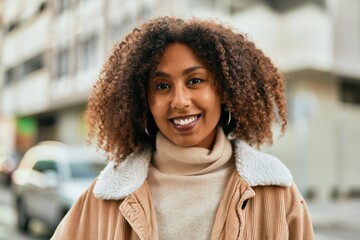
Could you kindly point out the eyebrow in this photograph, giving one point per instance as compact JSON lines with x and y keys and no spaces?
{"x":185,"y":72}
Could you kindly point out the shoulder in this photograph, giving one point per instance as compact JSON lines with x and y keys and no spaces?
{"x":289,"y":198}
{"x":88,"y":204}
{"x":290,"y":193}
{"x":259,"y":168}
{"x":86,"y":211}
{"x":86,"y":198}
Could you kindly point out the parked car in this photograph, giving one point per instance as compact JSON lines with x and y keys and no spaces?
{"x":8,"y":163}
{"x":50,"y":177}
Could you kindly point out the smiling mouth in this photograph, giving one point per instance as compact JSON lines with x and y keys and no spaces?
{"x":185,"y":121}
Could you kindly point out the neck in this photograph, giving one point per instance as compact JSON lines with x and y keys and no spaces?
{"x":172,"y":159}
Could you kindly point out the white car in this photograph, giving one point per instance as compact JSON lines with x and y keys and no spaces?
{"x":50,"y":177}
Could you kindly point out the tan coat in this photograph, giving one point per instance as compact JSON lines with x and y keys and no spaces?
{"x":119,"y":205}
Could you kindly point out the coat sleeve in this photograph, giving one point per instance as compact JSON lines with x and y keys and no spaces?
{"x":298,"y":217}
{"x":72,"y":226}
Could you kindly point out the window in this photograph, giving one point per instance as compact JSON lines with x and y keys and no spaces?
{"x":46,"y":127}
{"x":281,"y":5}
{"x":203,"y":4}
{"x":119,"y":30}
{"x":144,"y":14}
{"x":42,"y":7}
{"x":277,"y":5}
{"x":14,"y":73}
{"x":350,"y":91}
{"x":88,"y":53}
{"x":86,"y":170}
{"x":10,"y":75}
{"x":13,"y":26}
{"x":62,"y":63}
{"x":62,"y":5}
{"x":27,"y":67}
{"x":33,"y":64}
{"x":45,"y":165}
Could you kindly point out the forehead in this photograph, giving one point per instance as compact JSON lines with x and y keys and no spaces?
{"x":178,"y":55}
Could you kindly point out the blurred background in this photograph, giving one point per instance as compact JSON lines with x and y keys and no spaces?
{"x":51,"y":52}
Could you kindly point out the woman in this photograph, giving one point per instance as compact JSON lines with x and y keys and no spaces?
{"x":177,"y":107}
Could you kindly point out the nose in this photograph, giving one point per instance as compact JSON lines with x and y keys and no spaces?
{"x":181,"y":97}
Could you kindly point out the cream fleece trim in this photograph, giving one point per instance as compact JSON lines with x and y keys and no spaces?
{"x":260,"y":169}
{"x":127,"y":177}
{"x":256,"y":168}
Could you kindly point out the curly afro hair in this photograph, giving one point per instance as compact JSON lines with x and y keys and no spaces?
{"x":248,"y":83}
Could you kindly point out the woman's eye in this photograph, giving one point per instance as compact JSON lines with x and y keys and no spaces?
{"x":195,"y":81}
{"x":162,"y":86}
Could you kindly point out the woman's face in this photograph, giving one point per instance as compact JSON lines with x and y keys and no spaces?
{"x":183,"y":98}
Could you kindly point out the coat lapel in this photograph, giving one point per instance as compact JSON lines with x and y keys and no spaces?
{"x":138,"y":210}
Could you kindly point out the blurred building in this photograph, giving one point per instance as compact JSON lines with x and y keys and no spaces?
{"x":52,"y":52}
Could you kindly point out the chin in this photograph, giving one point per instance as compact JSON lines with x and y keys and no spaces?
{"x":185,"y":143}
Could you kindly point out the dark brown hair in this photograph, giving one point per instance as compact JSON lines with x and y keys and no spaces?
{"x":248,"y":83}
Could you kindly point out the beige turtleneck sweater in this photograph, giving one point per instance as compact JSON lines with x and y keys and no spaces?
{"x":186,"y":186}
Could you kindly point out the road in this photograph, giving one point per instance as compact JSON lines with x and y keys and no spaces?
{"x":332,"y":220}
{"x":336,"y":220}
{"x":8,"y":230}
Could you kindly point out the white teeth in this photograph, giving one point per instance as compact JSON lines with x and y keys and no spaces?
{"x":185,"y":121}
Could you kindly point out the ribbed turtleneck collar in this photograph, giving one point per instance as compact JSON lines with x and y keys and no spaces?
{"x":172,"y":159}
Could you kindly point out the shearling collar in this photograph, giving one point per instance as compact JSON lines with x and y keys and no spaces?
{"x":256,"y":168}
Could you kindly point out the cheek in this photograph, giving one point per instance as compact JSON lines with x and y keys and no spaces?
{"x":214,"y":102}
{"x":155,"y":106}
{"x":216,"y":108}
{"x":210,"y":94}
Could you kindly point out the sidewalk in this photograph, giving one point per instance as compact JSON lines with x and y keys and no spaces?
{"x":335,"y":220}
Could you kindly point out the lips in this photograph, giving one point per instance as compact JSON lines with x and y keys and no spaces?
{"x":185,"y":123}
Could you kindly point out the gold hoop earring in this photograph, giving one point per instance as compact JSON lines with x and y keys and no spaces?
{"x":147,"y":132}
{"x":149,"y":122}
{"x":229,"y":119}
{"x":226,"y":109}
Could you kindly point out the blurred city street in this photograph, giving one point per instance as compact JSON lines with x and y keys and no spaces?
{"x":337,"y":220}
{"x":8,"y":220}
{"x":45,"y":87}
